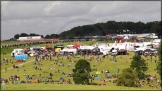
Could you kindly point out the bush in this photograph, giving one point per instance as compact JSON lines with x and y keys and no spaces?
{"x":127,"y":78}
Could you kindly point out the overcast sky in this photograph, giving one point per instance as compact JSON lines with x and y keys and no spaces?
{"x":48,"y":17}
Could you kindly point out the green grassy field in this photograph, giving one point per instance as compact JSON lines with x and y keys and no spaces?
{"x":71,"y":87}
{"x":104,"y":64}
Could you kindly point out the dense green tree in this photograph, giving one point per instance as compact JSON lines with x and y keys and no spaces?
{"x":33,"y":34}
{"x":127,"y":78}
{"x":16,"y":36}
{"x":11,"y":39}
{"x":81,"y":72}
{"x":158,"y":29}
{"x":23,"y":35}
{"x":47,"y":36}
{"x":111,"y":27}
{"x":53,"y":36}
{"x":139,"y":65}
{"x":42,"y":36}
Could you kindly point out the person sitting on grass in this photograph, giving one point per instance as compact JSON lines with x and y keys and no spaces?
{"x":51,"y":74}
{"x":69,"y":75}
{"x":13,"y":66}
{"x":61,"y":78}
{"x":36,"y":67}
{"x":51,"y":68}
{"x":5,"y":69}
{"x":69,"y":81}
{"x":69,"y":65}
{"x":63,"y":73}
{"x":61,"y":64}
{"x":52,"y":63}
{"x":58,"y":71}
{"x":22,"y":82}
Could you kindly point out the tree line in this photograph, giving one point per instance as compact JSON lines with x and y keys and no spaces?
{"x":102,"y":29}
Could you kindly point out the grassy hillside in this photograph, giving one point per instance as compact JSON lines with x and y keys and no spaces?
{"x":104,"y":64}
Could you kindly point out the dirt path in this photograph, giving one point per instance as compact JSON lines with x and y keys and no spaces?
{"x":18,"y":65}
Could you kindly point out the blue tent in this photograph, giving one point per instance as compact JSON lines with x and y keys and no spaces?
{"x":21,"y":57}
{"x":97,"y":78}
{"x":36,"y":47}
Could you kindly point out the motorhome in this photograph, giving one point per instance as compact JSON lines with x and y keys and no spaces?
{"x":17,"y":52}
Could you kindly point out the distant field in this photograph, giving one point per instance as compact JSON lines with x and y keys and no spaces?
{"x":109,"y":41}
{"x":104,"y":64}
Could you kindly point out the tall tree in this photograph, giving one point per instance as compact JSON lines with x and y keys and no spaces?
{"x":33,"y":34}
{"x":23,"y":35}
{"x":158,"y":29}
{"x":127,"y":78}
{"x":81,"y":72}
{"x":139,"y":65}
{"x":47,"y":36}
{"x":42,"y":36}
{"x":16,"y":36}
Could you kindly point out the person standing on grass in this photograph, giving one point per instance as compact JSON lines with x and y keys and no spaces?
{"x":151,"y":57}
{"x":5,"y":69}
{"x":3,"y":85}
{"x":118,"y":70}
{"x":126,"y":61}
{"x":121,"y":56}
{"x":17,"y":68}
{"x":24,"y":60}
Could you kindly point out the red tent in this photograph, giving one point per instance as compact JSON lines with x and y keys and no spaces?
{"x":19,"y":60}
{"x":76,"y":45}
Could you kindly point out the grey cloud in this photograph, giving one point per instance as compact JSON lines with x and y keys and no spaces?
{"x":47,"y":17}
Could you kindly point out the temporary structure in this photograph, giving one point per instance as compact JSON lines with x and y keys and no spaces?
{"x":36,"y":47}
